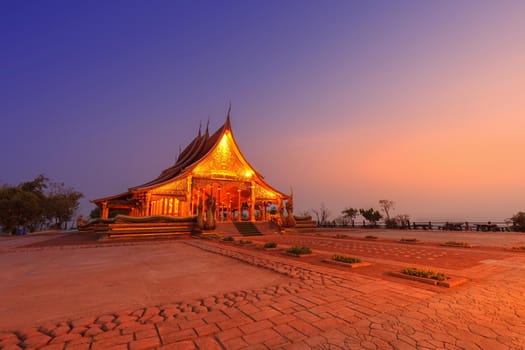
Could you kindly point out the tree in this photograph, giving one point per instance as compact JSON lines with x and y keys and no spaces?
{"x":29,"y":206}
{"x":322,"y":215}
{"x":95,"y":213}
{"x":518,"y":221}
{"x":371,"y":215}
{"x":386,"y":206}
{"x":8,"y":217}
{"x":62,"y":203}
{"x":350,"y":213}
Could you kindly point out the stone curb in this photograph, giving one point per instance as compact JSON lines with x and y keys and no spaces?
{"x":450,"y":283}
{"x":350,"y":265}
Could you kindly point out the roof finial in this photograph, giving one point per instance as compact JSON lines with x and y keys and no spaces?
{"x":207,"y":126}
{"x":200,"y":127}
{"x":229,"y":110}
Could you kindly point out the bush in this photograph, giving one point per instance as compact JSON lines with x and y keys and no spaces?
{"x":413,"y":271}
{"x":458,"y":244}
{"x":371,"y":237}
{"x":346,"y":259}
{"x":270,"y":245}
{"x":521,"y":247}
{"x":245,"y":242}
{"x":299,"y":250}
{"x":228,"y":239}
{"x":409,"y":240}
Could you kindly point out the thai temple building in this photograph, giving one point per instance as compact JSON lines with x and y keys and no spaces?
{"x":211,"y":176}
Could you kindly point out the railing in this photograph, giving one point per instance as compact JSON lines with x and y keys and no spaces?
{"x":486,"y":226}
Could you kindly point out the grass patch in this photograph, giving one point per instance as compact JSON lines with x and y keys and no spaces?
{"x":299,"y":250}
{"x":346,"y":259}
{"x":521,"y":247}
{"x":270,"y":245}
{"x":409,"y":240}
{"x":228,"y":239}
{"x":413,"y":271}
{"x":457,"y":244}
{"x":371,"y":237}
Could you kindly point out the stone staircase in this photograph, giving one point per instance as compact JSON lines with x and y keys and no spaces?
{"x":247,"y":228}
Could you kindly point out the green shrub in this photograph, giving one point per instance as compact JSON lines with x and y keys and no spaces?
{"x":228,"y":239}
{"x":270,"y":245}
{"x":299,"y":250}
{"x":346,"y":259}
{"x":413,"y":271}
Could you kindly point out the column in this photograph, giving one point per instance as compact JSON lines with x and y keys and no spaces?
{"x":105,"y":210}
{"x":252,"y":202}
{"x":239,"y":211}
{"x":147,"y":209}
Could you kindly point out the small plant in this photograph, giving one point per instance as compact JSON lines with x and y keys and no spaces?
{"x":299,"y":250}
{"x":346,"y":259}
{"x":228,"y":239}
{"x":270,"y":245}
{"x":245,"y":242}
{"x":371,"y":237}
{"x":413,"y":271}
{"x":458,"y":244}
{"x":521,"y":247}
{"x":409,"y":240}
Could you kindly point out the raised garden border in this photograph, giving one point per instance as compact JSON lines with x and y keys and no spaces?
{"x":409,"y":241}
{"x":450,"y":282}
{"x":458,"y":245}
{"x":350,"y":265}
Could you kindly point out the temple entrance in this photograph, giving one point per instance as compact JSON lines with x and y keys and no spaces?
{"x":234,"y":201}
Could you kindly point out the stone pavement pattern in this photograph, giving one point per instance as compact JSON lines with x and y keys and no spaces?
{"x":316,"y":308}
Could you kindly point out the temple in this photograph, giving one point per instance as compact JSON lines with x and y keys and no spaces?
{"x":211,"y":177}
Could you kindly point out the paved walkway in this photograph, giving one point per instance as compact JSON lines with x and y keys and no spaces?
{"x":292,"y":303}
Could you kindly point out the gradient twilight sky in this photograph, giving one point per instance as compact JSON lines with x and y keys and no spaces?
{"x":349,"y":102}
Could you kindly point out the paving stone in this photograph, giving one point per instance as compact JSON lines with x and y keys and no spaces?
{"x":183,"y":345}
{"x":145,"y":343}
{"x":36,"y":341}
{"x":177,"y":336}
{"x":207,"y":343}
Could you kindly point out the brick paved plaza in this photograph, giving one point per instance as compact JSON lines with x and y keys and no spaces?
{"x":64,"y":291}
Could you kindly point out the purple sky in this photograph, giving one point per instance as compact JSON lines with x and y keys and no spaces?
{"x":349,"y":102}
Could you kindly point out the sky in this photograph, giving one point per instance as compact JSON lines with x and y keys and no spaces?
{"x":346,"y":102}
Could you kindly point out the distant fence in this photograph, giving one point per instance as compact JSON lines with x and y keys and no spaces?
{"x":487,"y":226}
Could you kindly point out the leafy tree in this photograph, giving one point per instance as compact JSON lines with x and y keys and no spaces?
{"x":95,"y":213}
{"x":386,"y":206}
{"x":8,"y":217}
{"x":518,"y":221}
{"x":30,"y":206}
{"x":350,"y":213}
{"x":62,"y":203}
{"x":371,"y":215}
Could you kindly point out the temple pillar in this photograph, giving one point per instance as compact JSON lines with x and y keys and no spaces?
{"x":218,"y":213}
{"x":252,"y":202}
{"x":104,"y":211}
{"x":147,"y":209}
{"x":239,"y":210}
{"x":189,"y":194}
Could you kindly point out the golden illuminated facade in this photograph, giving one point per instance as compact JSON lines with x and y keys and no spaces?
{"x":210,"y":175}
